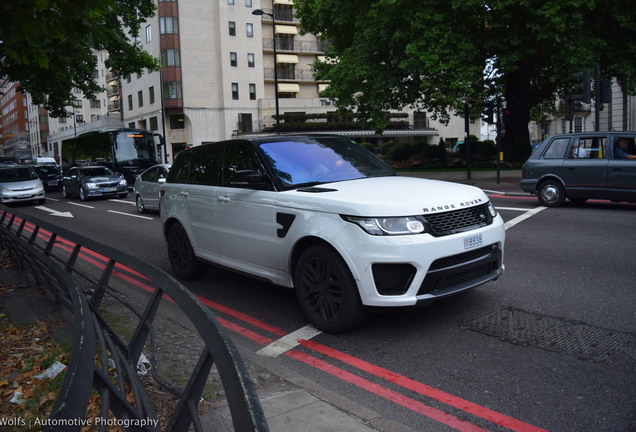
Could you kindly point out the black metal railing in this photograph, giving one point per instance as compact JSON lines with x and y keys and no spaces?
{"x":82,"y":274}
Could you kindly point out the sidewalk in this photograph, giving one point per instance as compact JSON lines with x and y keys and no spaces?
{"x":291,"y":403}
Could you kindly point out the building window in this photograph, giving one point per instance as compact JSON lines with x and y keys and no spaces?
{"x":578,"y":124}
{"x":230,"y":2}
{"x":95,"y":104}
{"x":172,"y":90}
{"x":233,"y":61}
{"x":148,"y":34}
{"x":140,"y":98}
{"x":131,"y":125}
{"x":130,"y":104}
{"x":250,"y":30}
{"x":248,"y":3}
{"x":154,"y":125}
{"x":151,"y":95}
{"x":168,"y":25}
{"x":177,"y":122}
{"x":250,"y":59}
{"x":235,"y":92}
{"x":232,"y":25}
{"x":252,"y":91}
{"x":170,"y":57}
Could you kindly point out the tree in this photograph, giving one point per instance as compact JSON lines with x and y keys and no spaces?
{"x":439,"y":55}
{"x":45,"y":45}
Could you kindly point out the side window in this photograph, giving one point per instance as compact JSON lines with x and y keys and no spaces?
{"x":624,"y":148}
{"x":238,"y":157}
{"x":180,"y":169}
{"x":204,"y":167}
{"x":150,"y":176}
{"x":72,"y":172}
{"x":556,"y":149}
{"x":588,"y":148}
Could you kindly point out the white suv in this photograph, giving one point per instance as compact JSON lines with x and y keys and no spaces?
{"x":325,"y":216}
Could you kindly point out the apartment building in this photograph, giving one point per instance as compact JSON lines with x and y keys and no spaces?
{"x":221,"y":63}
{"x":617,"y":114}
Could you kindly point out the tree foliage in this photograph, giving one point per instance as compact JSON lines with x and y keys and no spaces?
{"x":46,"y":45}
{"x":438,"y":55}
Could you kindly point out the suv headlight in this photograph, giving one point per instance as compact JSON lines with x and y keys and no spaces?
{"x":492,"y":210}
{"x":381,"y":226}
{"x":123,"y":182}
{"x":91,"y":185}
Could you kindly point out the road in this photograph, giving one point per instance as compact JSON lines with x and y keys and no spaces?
{"x":549,"y":346}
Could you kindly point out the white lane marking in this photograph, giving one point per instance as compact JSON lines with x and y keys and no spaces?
{"x":288,"y":341}
{"x":81,"y":205}
{"x":512,"y":208}
{"x":122,"y":201}
{"x":132,"y":215}
{"x":523,"y":217}
{"x":55,"y":212}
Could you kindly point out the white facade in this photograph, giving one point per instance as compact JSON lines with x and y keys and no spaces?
{"x":618,"y":115}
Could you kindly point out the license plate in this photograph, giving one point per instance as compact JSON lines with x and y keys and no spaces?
{"x":109,"y":189}
{"x":473,"y":241}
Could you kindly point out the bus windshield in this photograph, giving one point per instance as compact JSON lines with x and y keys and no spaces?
{"x":135,"y":149}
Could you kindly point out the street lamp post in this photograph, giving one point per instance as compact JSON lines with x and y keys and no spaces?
{"x":262,"y":12}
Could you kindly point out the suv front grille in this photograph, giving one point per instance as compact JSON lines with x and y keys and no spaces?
{"x":456,"y":221}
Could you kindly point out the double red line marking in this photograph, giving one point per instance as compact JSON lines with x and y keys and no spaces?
{"x":136,"y":279}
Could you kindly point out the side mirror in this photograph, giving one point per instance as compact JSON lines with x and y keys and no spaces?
{"x":247,"y":177}
{"x":161,"y":180}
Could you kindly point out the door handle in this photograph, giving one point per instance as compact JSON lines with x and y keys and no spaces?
{"x":224,"y":198}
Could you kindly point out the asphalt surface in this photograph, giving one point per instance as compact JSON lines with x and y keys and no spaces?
{"x":289,"y":404}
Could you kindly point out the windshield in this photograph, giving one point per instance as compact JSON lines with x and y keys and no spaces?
{"x":96,"y":171}
{"x":17,"y":174}
{"x":135,"y":148}
{"x":315,"y":160}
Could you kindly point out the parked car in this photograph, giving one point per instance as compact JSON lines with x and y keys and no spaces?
{"x":148,"y":185}
{"x":582,"y":166}
{"x":50,"y":175}
{"x":93,"y":181}
{"x":325,"y":216}
{"x":20,"y":183}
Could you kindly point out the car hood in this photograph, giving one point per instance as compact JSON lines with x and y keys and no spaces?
{"x":384,"y":196}
{"x":100,"y":179}
{"x":21,"y":185}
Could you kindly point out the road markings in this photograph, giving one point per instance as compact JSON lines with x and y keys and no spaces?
{"x":132,"y":215}
{"x":288,"y":341}
{"x":80,"y":205}
{"x":523,"y":217}
{"x":55,"y":212}
{"x":122,"y":201}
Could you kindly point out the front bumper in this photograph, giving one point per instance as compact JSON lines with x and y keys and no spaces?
{"x":410,"y":270}
{"x":22,"y":196}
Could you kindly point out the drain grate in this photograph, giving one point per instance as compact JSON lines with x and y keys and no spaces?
{"x":554,"y":334}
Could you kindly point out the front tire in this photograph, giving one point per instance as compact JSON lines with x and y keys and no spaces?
{"x":551,"y":193}
{"x":326,"y":290}
{"x":65,"y":193}
{"x":82,"y":194}
{"x":181,"y":255}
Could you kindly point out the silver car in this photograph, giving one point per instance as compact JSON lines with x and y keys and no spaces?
{"x":148,"y":187}
{"x":20,"y":183}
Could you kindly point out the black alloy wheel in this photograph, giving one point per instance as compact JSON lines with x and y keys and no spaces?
{"x":326,"y":290}
{"x":182,"y":258}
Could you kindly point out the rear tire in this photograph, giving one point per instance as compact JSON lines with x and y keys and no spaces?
{"x":551,"y":193}
{"x":140,"y":205}
{"x":326,"y":290}
{"x":181,"y":255}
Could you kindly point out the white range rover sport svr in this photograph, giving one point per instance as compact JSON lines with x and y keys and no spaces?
{"x":325,"y":216}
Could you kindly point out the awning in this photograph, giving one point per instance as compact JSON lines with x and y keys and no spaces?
{"x":288,"y":88}
{"x":286,"y":58}
{"x":286,"y":29}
